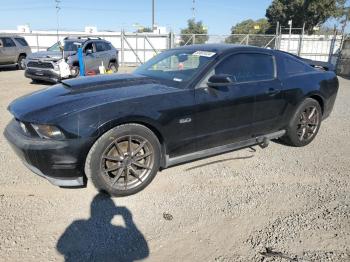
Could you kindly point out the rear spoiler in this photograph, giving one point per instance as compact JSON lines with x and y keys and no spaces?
{"x":319,"y":64}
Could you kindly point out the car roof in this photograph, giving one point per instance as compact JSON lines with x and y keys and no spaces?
{"x":222,"y":48}
{"x":83,"y":39}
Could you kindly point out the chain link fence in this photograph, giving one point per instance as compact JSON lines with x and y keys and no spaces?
{"x":136,"y":48}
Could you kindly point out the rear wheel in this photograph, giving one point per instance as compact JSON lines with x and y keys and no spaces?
{"x":21,"y":65}
{"x":305,"y":123}
{"x":113,"y":67}
{"x":124,"y":160}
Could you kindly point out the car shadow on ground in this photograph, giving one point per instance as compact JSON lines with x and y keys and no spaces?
{"x":97,"y":239}
{"x":218,"y":161}
{"x":8,"y":68}
{"x":42,"y":83}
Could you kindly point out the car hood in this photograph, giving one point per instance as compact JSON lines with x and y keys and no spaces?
{"x":75,"y":95}
{"x":49,"y":55}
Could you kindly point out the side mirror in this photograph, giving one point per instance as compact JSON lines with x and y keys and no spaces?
{"x":220,"y":80}
{"x":1,"y":45}
{"x":88,"y":51}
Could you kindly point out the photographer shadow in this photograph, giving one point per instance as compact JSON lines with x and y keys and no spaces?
{"x":97,"y":239}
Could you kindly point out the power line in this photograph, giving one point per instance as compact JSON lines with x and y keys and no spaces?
{"x":153,"y":14}
{"x":58,"y":8}
{"x":194,"y":10}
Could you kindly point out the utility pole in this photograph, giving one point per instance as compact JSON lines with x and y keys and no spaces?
{"x":194,"y":10}
{"x":58,"y":8}
{"x":153,"y":19}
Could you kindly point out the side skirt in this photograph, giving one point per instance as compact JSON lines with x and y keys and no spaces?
{"x":260,"y":140}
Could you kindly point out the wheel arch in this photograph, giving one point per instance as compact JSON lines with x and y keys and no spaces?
{"x":319,"y":99}
{"x":113,"y":60}
{"x":22,"y":54}
{"x":144,"y":121}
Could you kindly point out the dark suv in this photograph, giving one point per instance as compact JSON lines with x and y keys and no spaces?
{"x":45,"y":65}
{"x":13,"y":51}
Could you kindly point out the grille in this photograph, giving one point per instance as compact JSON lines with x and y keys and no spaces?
{"x":40,"y":64}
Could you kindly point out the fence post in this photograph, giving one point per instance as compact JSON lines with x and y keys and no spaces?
{"x":144,"y":49}
{"x":193,"y":39}
{"x":37,"y":42}
{"x":280,"y":38}
{"x":301,"y":40}
{"x":171,"y":40}
{"x":137,"y":47}
{"x":122,"y":47}
{"x":247,"y":40}
{"x":277,"y":31}
{"x":331,"y":50}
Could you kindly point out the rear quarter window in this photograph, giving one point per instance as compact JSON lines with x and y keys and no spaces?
{"x":22,"y":41}
{"x":295,"y":67}
{"x":107,"y":46}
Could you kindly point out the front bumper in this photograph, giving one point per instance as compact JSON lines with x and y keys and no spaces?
{"x":48,"y":75}
{"x":60,"y":162}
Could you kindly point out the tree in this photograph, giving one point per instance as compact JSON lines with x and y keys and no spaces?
{"x":250,"y":26}
{"x":194,"y":27}
{"x":311,"y":12}
{"x":144,"y":30}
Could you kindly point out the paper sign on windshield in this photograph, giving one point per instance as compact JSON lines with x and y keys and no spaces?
{"x":204,"y":53}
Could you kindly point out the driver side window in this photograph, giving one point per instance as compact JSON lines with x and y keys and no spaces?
{"x":245,"y":68}
{"x":248,"y":67}
{"x":89,"y":46}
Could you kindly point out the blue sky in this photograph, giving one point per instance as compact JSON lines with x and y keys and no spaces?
{"x":217,"y":15}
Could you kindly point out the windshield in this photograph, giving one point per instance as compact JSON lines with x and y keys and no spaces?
{"x":68,"y":46}
{"x":176,"y":65}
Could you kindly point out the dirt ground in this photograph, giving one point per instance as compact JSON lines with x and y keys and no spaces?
{"x":274,"y":204}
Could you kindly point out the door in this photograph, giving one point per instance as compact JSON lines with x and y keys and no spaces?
{"x":90,"y":61}
{"x":8,"y":53}
{"x":249,"y":106}
{"x":224,"y":114}
{"x":101,"y":54}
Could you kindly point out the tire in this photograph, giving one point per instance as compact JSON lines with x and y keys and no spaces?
{"x":304,"y":124}
{"x":113,"y":67}
{"x":111,"y":164}
{"x":76,"y":71}
{"x":20,"y":62}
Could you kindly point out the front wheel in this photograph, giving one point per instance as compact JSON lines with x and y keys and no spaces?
{"x":75,"y":71}
{"x":124,"y":160}
{"x":305,"y":123}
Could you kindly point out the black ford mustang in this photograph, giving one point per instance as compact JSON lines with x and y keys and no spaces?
{"x":184,"y":104}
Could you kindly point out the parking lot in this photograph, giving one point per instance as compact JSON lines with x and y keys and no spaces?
{"x":275,"y":204}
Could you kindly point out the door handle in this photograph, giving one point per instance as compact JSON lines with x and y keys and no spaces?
{"x":272,"y":91}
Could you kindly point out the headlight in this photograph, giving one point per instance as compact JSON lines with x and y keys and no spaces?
{"x":55,"y":65}
{"x":23,"y":127}
{"x":48,"y":132}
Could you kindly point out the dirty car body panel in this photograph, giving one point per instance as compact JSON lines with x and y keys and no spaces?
{"x":186,"y":116}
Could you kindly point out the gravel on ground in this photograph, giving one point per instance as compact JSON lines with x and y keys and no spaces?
{"x":275,"y":204}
